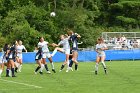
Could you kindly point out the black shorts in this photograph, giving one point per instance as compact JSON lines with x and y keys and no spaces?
{"x":74,"y":49}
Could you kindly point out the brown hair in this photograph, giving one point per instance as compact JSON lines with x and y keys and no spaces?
{"x":100,"y":39}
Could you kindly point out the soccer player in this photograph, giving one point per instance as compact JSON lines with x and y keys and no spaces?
{"x":1,"y":65}
{"x":19,"y":48}
{"x":100,"y":48}
{"x":66,"y":49}
{"x":74,"y":39}
{"x":3,"y":60}
{"x":10,"y":56}
{"x":46,"y":54}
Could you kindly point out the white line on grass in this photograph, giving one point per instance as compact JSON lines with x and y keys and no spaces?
{"x":29,"y":85}
{"x":17,"y":89}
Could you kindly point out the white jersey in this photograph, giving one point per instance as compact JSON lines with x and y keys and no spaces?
{"x":99,"y":47}
{"x":19,"y":48}
{"x":65,"y":43}
{"x":44,"y":46}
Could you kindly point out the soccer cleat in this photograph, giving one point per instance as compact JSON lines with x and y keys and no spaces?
{"x":19,"y":70}
{"x":41,"y":73}
{"x":16,"y":69}
{"x":96,"y":73}
{"x":7,"y":76}
{"x":13,"y":76}
{"x":54,"y":70}
{"x":67,"y":70}
{"x":105,"y":71}
{"x":48,"y":72}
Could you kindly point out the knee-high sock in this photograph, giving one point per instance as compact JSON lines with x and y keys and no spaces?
{"x":68,"y":62}
{"x":71,"y":63}
{"x":13,"y":71}
{"x":103,"y":63}
{"x":46,"y":67}
{"x":52,"y":65}
{"x":20,"y":66}
{"x":7,"y":72}
{"x":96,"y":66}
{"x":54,"y":52}
{"x":37,"y":68}
{"x":62,"y":66}
{"x":42,"y":67}
{"x":76,"y":66}
{"x":0,"y":72}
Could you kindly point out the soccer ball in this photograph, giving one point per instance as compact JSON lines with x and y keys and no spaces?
{"x":52,"y":14}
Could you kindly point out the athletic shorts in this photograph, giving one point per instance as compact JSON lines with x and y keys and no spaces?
{"x":66,"y":51}
{"x":38,"y":57}
{"x":101,"y":54}
{"x":46,"y":55}
{"x":74,"y":49}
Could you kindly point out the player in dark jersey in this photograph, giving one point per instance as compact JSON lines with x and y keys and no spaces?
{"x":10,"y":57}
{"x":74,"y":39}
{"x":3,"y":60}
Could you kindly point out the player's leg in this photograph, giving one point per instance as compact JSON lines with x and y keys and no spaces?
{"x":55,"y":51}
{"x":97,"y":64}
{"x":12,"y":67}
{"x":1,"y":69}
{"x":8,"y":68}
{"x":74,"y":59}
{"x":51,"y":62}
{"x":38,"y":67}
{"x":16,"y":64}
{"x":20,"y":63}
{"x":103,"y":63}
{"x":44,"y":62}
{"x":66,"y":61}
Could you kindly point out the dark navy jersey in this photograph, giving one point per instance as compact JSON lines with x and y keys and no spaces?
{"x":39,"y":54}
{"x":12,"y":53}
{"x":74,"y":41}
{"x":5,"y":50}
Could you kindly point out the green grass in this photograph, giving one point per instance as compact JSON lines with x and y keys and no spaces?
{"x":123,"y":77}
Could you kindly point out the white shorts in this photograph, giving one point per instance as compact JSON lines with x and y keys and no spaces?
{"x":19,"y":55}
{"x":66,"y":51}
{"x":4,"y":60}
{"x":101,"y":54}
{"x":46,"y":55}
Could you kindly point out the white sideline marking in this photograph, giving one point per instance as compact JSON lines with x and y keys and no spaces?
{"x":21,"y":83}
{"x":17,"y":89}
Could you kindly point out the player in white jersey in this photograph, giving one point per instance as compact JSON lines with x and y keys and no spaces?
{"x":46,"y":54}
{"x":66,"y":49}
{"x":19,"y":49}
{"x":100,"y":49}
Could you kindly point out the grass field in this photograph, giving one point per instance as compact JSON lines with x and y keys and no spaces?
{"x":122,"y":77}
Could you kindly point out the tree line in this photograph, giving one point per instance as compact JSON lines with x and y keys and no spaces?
{"x":27,"y":20}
